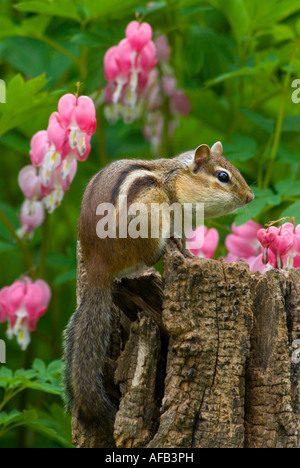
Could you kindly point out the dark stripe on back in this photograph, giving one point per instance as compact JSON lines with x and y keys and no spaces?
{"x":142,"y":183}
{"x":95,"y":182}
{"x":122,"y":177}
{"x":171,"y":174}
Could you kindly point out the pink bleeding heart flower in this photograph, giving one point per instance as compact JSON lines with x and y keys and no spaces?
{"x":117,"y":62}
{"x":126,"y":57}
{"x":31,"y":217}
{"x":44,"y":153}
{"x":62,"y":179}
{"x":267,"y":236}
{"x":243,"y":242}
{"x":58,"y":135}
{"x":247,"y":230}
{"x":108,"y":92}
{"x":230,"y":258}
{"x":30,"y":183}
{"x":296,"y":262}
{"x":25,"y":302}
{"x":40,"y":145}
{"x":203,"y":242}
{"x":85,"y":148}
{"x":36,"y":302}
{"x":78,"y":113}
{"x":112,"y":67}
{"x":3,"y":305}
{"x":169,"y":84}
{"x":297,"y":238}
{"x":66,"y":181}
{"x":163,"y":50}
{"x":256,"y":264}
{"x":240,"y":247}
{"x":138,"y":34}
{"x":179,"y":103}
{"x":79,"y":116}
{"x":281,"y":245}
{"x":146,"y":59}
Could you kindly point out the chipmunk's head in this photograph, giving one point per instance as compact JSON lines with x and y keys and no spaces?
{"x":214,"y":181}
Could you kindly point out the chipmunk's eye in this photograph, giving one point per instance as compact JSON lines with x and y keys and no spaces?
{"x":223,"y":177}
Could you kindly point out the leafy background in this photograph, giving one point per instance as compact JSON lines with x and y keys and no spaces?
{"x":236,"y":60}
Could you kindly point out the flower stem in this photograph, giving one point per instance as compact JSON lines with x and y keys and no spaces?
{"x":25,"y":251}
{"x":103,"y":157}
{"x":279,"y":124}
{"x":44,"y":246}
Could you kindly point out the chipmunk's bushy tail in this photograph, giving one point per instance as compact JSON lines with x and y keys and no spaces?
{"x":86,"y":341}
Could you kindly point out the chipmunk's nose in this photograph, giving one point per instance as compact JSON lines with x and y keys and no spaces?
{"x":250,"y":197}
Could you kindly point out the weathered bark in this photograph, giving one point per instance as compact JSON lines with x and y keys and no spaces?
{"x":272,"y":390}
{"x":202,"y":358}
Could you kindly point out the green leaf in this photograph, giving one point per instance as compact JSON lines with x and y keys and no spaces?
{"x":242,"y":148}
{"x":237,"y":16}
{"x":27,"y":373}
{"x":263,"y":199}
{"x":192,"y":9}
{"x":293,"y":211}
{"x":261,"y":121}
{"x":5,"y":247}
{"x":208,"y":43}
{"x":246,"y":71}
{"x":39,"y":366}
{"x":55,"y":424}
{"x":54,"y":389}
{"x":8,"y":418}
{"x":266,"y":14}
{"x":6,"y":376}
{"x":288,"y":187}
{"x":60,"y":260}
{"x":298,"y":27}
{"x":218,"y":115}
{"x":23,"y":100}
{"x":96,"y":8}
{"x":61,"y":8}
{"x":8,"y":28}
{"x":36,"y":25}
{"x":6,"y":372}
{"x":151,"y":8}
{"x":273,"y":35}
{"x":285,"y":156}
{"x":291,"y":124}
{"x":66,"y":277}
{"x":55,"y":367}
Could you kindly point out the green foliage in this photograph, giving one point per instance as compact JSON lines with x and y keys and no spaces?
{"x":235,"y":59}
{"x":51,"y":422}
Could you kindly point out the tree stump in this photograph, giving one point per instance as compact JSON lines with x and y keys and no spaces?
{"x":204,"y":357}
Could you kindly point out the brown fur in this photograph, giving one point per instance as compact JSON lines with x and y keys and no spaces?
{"x":189,"y":178}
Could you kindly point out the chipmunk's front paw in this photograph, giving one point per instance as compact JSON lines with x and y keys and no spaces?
{"x":180,"y":245}
{"x":187,"y":254}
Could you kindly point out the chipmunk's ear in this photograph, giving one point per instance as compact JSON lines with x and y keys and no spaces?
{"x":202,"y":154}
{"x":217,"y":148}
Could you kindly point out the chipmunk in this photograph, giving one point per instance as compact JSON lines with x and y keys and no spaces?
{"x":199,"y":176}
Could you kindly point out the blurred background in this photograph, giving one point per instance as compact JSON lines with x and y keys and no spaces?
{"x":236,"y":65}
